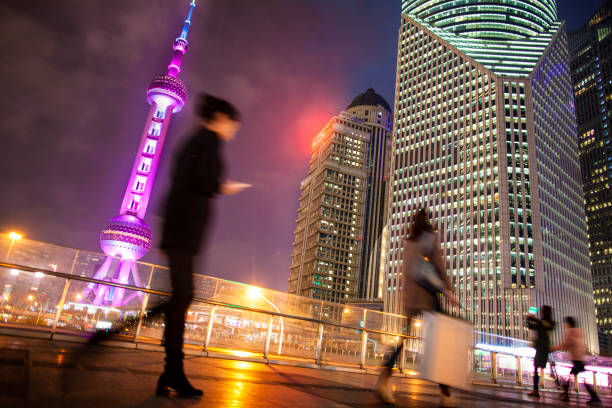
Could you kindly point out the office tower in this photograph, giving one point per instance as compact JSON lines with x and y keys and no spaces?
{"x":485,"y":137}
{"x":591,"y":66}
{"x":127,"y":237}
{"x":376,"y":113}
{"x":345,"y":183}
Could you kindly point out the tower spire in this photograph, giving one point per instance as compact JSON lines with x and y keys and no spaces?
{"x":187,"y":22}
{"x":180,"y":45}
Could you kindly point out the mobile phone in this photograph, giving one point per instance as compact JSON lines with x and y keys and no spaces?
{"x":533,"y":310}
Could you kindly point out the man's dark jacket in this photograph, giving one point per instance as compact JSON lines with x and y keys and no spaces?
{"x":543,"y":328}
{"x":196,"y":176}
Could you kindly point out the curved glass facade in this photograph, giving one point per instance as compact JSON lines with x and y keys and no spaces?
{"x":495,"y":20}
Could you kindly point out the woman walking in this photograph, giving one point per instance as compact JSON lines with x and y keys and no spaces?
{"x":423,"y":279}
{"x":573,"y":343}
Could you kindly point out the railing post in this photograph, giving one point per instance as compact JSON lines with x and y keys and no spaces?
{"x":319,"y":348}
{"x":364,"y":347}
{"x":143,"y":307}
{"x":364,"y":340}
{"x":211,"y":322}
{"x":60,"y":305}
{"x":494,"y":367}
{"x":402,"y":362}
{"x":610,"y":382}
{"x":519,"y":371}
{"x":595,"y":381}
{"x":268,"y":335}
{"x":143,"y":310}
{"x":576,"y":384}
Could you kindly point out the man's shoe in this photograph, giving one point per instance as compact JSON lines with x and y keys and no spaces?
{"x":594,"y":401}
{"x":178,"y":383}
{"x":534,"y":394}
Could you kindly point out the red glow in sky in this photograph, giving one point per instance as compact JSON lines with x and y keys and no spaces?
{"x":309,"y":123}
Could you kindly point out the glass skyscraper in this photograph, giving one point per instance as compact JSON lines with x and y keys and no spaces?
{"x":485,"y":137}
{"x":591,"y":64}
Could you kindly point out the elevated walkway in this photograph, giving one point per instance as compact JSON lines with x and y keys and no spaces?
{"x":121,"y":377}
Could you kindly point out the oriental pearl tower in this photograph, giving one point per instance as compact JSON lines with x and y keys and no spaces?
{"x":127,"y":238}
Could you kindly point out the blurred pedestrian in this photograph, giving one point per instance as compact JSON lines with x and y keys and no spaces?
{"x":196,"y":180}
{"x":573,"y":343}
{"x":424,"y":278}
{"x":543,"y":328}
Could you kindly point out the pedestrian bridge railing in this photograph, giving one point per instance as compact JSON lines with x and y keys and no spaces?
{"x":51,"y":288}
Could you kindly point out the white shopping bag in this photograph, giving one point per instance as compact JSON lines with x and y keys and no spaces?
{"x":447,"y":347}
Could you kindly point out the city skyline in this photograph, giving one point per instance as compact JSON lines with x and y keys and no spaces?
{"x":58,"y":168}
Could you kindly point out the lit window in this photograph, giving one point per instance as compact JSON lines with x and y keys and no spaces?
{"x":150,"y":147}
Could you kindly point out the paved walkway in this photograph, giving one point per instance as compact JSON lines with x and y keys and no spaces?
{"x":119,"y":377}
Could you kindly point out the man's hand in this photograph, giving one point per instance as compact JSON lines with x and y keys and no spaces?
{"x":232,"y":187}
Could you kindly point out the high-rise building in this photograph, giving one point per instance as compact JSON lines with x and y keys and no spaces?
{"x":485,"y":137}
{"x":342,"y":205}
{"x":127,"y":236}
{"x":591,"y":65}
{"x":377,"y":114}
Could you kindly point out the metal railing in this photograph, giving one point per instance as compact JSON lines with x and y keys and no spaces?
{"x":301,"y":328}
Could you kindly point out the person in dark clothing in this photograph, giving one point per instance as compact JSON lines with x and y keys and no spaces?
{"x":196,"y":180}
{"x":543,"y":327}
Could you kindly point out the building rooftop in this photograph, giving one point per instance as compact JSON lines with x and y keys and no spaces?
{"x":369,"y":98}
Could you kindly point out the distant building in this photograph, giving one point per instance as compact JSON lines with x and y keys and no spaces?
{"x":337,"y":246}
{"x":591,"y":65}
{"x":376,"y":112}
{"x":485,"y":137}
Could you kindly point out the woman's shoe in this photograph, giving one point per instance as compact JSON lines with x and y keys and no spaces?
{"x":384,"y":392}
{"x":565,"y":397}
{"x":447,"y":401}
{"x":177,"y":383}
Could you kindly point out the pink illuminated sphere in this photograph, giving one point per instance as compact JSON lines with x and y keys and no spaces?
{"x":167,"y":90}
{"x":127,"y":237}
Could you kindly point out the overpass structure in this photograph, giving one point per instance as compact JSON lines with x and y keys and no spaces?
{"x":41,"y":296}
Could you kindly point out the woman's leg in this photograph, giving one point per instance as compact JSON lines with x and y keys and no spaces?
{"x":392,"y":360}
{"x":536,"y":379}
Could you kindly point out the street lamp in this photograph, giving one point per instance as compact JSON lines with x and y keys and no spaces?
{"x":14,"y":237}
{"x":256,"y":293}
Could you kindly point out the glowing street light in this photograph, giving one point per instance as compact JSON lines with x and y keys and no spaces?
{"x":14,"y":236}
{"x":255,"y":293}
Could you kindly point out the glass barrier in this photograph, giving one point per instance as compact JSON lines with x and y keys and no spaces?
{"x":57,"y":304}
{"x":29,"y":298}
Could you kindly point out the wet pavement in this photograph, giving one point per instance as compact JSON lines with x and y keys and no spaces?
{"x":120,"y":377}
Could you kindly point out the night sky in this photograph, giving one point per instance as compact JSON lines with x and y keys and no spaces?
{"x":74,"y":75}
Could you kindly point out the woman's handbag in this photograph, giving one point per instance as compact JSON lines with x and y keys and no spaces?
{"x":427,"y":276}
